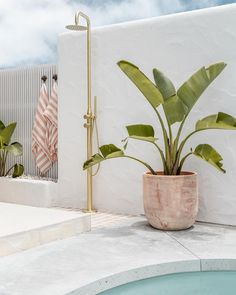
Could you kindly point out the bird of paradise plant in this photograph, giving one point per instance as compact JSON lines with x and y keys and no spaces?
{"x":177,"y":105}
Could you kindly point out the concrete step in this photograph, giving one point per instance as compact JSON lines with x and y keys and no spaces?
{"x":24,"y":227}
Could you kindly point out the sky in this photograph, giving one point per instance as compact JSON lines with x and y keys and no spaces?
{"x":29,"y":28}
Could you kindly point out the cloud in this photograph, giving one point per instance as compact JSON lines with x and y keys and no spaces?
{"x":29,"y":29}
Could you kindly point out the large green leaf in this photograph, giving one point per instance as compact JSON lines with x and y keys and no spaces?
{"x":173,"y":106}
{"x":18,"y":170}
{"x":141,"y":132}
{"x":111,"y":151}
{"x":108,"y":151}
{"x":142,"y":82}
{"x":6,"y":133}
{"x":192,"y":89}
{"x":94,"y":160}
{"x":15,"y":148}
{"x":217,"y":121}
{"x":174,"y":109}
{"x":210,"y":155}
{"x":214,"y":70}
{"x":164,"y":84}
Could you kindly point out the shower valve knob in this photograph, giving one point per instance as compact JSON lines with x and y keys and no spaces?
{"x":89,"y":116}
{"x":87,"y":125}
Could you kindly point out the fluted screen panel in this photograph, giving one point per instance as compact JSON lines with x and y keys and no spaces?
{"x":19,"y":92}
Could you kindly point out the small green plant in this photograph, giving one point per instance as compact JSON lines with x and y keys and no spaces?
{"x":6,"y":148}
{"x":177,"y":105}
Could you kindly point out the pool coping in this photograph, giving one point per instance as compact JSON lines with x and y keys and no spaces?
{"x":149,"y":271}
{"x":202,"y":258}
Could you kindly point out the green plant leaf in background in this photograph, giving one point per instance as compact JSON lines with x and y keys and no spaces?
{"x":142,"y":82}
{"x":192,"y":89}
{"x":15,"y":148}
{"x":207,"y":153}
{"x":7,"y":148}
{"x":18,"y":170}
{"x":6,"y":133}
{"x":2,"y":126}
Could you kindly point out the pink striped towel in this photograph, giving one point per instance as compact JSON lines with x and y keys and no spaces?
{"x":39,"y":134}
{"x":50,"y":115}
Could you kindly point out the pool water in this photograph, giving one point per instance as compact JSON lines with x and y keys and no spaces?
{"x":196,"y":283}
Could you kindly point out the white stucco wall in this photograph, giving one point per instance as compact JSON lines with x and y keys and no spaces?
{"x":178,"y":45}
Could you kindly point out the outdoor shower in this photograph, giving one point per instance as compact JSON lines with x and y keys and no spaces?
{"x":90,"y":115}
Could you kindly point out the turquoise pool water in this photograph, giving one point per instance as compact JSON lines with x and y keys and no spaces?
{"x":193,"y":283}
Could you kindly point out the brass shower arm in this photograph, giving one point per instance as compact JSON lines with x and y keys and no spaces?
{"x":81,"y":14}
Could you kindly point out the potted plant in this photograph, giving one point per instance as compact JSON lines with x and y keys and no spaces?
{"x":170,"y":195}
{"x":6,"y":148}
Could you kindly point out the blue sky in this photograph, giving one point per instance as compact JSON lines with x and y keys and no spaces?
{"x":29,"y":28}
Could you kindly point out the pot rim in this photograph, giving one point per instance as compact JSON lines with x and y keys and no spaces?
{"x":183,"y":175}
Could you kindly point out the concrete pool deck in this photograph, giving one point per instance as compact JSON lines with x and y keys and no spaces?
{"x":115,"y":253}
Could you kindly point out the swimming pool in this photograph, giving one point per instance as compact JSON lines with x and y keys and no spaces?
{"x":192,"y":283}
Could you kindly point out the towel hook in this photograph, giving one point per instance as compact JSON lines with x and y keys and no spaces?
{"x":44,"y":78}
{"x":55,"y":77}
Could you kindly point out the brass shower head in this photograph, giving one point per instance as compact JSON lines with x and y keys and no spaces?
{"x":77,"y":26}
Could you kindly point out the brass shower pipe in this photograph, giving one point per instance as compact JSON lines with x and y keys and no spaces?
{"x":89,"y":116}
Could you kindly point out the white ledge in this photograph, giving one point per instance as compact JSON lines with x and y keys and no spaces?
{"x":30,"y":192}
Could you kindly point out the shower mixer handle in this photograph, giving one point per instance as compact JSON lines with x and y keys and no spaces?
{"x":87,"y":125}
{"x":90,"y":119}
{"x":89,"y":116}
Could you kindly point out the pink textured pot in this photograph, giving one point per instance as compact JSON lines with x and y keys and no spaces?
{"x":170,"y":202}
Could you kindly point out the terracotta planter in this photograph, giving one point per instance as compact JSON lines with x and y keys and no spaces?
{"x":170,"y":202}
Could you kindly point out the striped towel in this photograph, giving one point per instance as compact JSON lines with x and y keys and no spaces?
{"x":50,"y":115}
{"x":39,"y":134}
